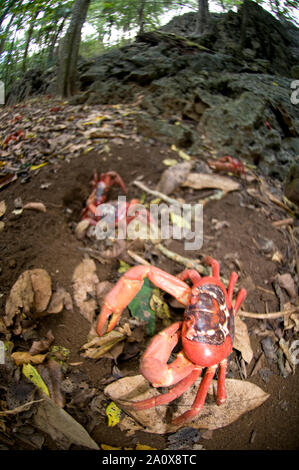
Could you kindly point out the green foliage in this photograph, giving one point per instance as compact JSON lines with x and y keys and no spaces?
{"x":30,"y":31}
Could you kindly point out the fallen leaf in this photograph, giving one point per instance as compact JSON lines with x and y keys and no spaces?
{"x":2,"y":208}
{"x":170,"y":162}
{"x":36,"y":206}
{"x":42,"y":345}
{"x":60,"y":299}
{"x":144,"y":447}
{"x":2,"y":225}
{"x":181,"y":153}
{"x":113,"y":413}
{"x":41,"y":284}
{"x":205,"y":180}
{"x":140,"y":306}
{"x":242,"y":397}
{"x":51,"y":372}
{"x":21,"y":358}
{"x":85,"y":281}
{"x":37,"y":167}
{"x":30,"y":295}
{"x":242,"y":340}
{"x":7,"y":179}
{"x":107,"y":447}
{"x":99,"y":345}
{"x":61,"y":426}
{"x":286,"y":282}
{"x":81,"y":228}
{"x":32,"y":374}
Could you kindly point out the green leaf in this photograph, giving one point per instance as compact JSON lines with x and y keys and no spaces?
{"x":140,"y":307}
{"x":31,"y":373}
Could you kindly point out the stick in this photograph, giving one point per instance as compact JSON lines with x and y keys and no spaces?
{"x":282,"y":222}
{"x":156,"y":193}
{"x":137,"y":258}
{"x":294,"y":248}
{"x":271,"y":315}
{"x":187,"y":262}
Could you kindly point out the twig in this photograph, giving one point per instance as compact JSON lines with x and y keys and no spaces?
{"x":270,"y":315}
{"x":187,"y":262}
{"x":156,"y":193}
{"x":282,"y":222}
{"x":294,"y":248}
{"x":137,"y":258}
{"x":19,"y":409}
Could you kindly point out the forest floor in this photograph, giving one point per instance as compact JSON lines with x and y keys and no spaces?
{"x":238,"y":231}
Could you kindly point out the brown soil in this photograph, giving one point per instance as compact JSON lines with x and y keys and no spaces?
{"x":46,"y":240}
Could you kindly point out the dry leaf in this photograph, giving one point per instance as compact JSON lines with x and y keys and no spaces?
{"x":81,"y":228}
{"x":41,"y":284}
{"x":242,"y":396}
{"x":51,"y":373}
{"x":61,"y":426}
{"x":173,"y":177}
{"x":99,"y":345}
{"x":29,"y":295}
{"x":37,"y":206}
{"x":205,"y":180}
{"x":85,"y":283}
{"x":242,"y":340}
{"x":21,"y":358}
{"x":42,"y":345}
{"x":2,"y":208}
{"x":286,"y":282}
{"x":60,"y":299}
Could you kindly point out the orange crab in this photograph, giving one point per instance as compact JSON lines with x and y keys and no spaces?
{"x":207,"y":332}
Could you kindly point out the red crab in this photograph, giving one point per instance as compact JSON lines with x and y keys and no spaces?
{"x":115,"y":209}
{"x":228,"y":163}
{"x":99,"y":194}
{"x":207,"y":332}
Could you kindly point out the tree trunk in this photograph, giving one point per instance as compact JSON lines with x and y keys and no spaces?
{"x":54,"y":40}
{"x":202,"y":16}
{"x":29,"y":37}
{"x":141,"y":16}
{"x":69,"y":49}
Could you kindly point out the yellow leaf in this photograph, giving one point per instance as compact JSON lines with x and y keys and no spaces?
{"x":2,"y":163}
{"x":31,"y":373}
{"x":107,"y":447}
{"x":113,"y":413}
{"x":123,"y":266}
{"x":144,"y":447}
{"x":36,"y":167}
{"x":87,"y":150}
{"x":181,"y":153}
{"x":170,"y":162}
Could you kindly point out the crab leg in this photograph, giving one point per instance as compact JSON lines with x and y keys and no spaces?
{"x":130,"y":284}
{"x":214,"y":265}
{"x":200,"y":397}
{"x":174,"y":393}
{"x":221,"y":393}
{"x":191,"y":274}
{"x":239,"y":300}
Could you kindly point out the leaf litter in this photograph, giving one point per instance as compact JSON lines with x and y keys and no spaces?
{"x":33,"y":298}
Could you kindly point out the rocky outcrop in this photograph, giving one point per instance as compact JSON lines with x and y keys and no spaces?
{"x":227,"y":91}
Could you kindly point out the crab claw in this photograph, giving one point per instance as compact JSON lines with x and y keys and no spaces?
{"x":130,"y":284}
